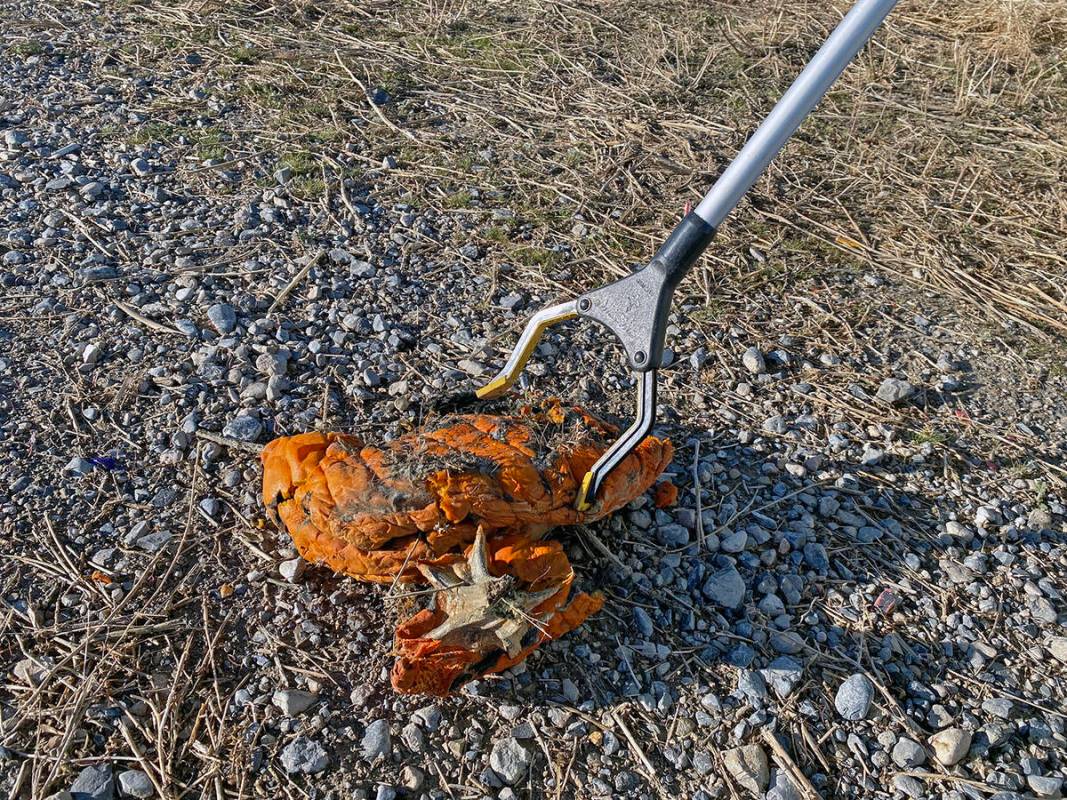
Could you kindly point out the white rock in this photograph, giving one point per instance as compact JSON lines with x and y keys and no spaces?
{"x":509,"y":759}
{"x":749,"y":767}
{"x":91,"y":354}
{"x":294,"y":702}
{"x":135,"y":783}
{"x":293,"y":569}
{"x":950,"y":745}
{"x":753,"y":361}
{"x":412,"y":778}
{"x":1057,"y":645}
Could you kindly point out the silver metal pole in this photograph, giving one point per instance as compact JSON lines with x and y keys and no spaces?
{"x":807,"y":90}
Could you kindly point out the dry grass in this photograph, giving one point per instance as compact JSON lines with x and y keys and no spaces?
{"x":938,"y":157}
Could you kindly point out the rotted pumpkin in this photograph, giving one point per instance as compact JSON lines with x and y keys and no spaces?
{"x":462,"y":505}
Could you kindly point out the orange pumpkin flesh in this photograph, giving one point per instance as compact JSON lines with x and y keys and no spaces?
{"x":435,"y":505}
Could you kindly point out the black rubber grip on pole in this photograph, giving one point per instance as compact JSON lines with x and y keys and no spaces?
{"x":683,"y":247}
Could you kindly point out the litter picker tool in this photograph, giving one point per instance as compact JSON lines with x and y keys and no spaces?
{"x":635,"y":308}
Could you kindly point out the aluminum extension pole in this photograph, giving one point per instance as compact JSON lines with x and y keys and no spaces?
{"x":807,"y":90}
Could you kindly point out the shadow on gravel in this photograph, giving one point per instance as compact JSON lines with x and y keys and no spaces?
{"x":749,"y":614}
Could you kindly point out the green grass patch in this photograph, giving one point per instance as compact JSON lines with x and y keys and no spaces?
{"x":245,"y":54}
{"x":30,"y":48}
{"x":156,"y":132}
{"x":533,"y":256}
{"x":460,"y":199}
{"x":306,"y":187}
{"x":301,"y":162}
{"x":266,"y":94}
{"x":496,"y":233}
{"x":210,"y":145}
{"x":932,"y":436}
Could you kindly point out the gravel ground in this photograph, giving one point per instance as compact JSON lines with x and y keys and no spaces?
{"x":859,"y":594}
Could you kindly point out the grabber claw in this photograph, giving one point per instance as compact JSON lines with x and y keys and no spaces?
{"x":531,"y":335}
{"x":635,"y":309}
{"x":646,"y":392}
{"x":624,"y":445}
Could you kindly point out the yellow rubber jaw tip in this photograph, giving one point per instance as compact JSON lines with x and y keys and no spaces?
{"x":585,"y":502}
{"x":495,"y":387}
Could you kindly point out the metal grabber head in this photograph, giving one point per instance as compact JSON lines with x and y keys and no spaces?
{"x":635,"y":309}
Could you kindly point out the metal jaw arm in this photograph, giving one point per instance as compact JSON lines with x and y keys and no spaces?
{"x":624,"y":445}
{"x":636,"y":307}
{"x":531,"y":335}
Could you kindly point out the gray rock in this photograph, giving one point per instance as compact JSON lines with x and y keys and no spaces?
{"x":303,"y":755}
{"x":753,"y":361}
{"x":428,"y":717}
{"x":749,"y":767}
{"x":815,"y":556}
{"x":509,"y":759}
{"x":950,"y":745}
{"x":413,"y":737}
{"x":294,"y":702}
{"x":1045,"y":786}
{"x":673,"y":536}
{"x":153,"y":542}
{"x":92,"y":190}
{"x":1043,"y":611}
{"x":909,"y":786}
{"x":775,"y":424}
{"x":959,"y":530}
{"x":783,"y":788}
{"x":643,"y":622}
{"x":377,"y":740}
{"x":32,"y":671}
{"x":141,"y":167}
{"x":752,"y":686}
{"x":92,"y":354}
{"x":211,"y":506}
{"x":472,"y":367}
{"x":513,"y":301}
{"x":135,"y":783}
{"x":733,"y":541}
{"x":998,"y":707}
{"x":412,"y":778}
{"x":871,"y":455}
{"x":854,"y":696}
{"x":94,"y":783}
{"x":894,"y":391}
{"x":243,"y":428}
{"x":725,"y":588}
{"x":222,"y":317}
{"x":788,"y":642}
{"x":783,"y":674}
{"x":908,"y":753}
{"x":78,"y":466}
{"x":938,"y":716}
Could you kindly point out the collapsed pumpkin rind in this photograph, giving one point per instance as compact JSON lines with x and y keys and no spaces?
{"x":376,"y":513}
